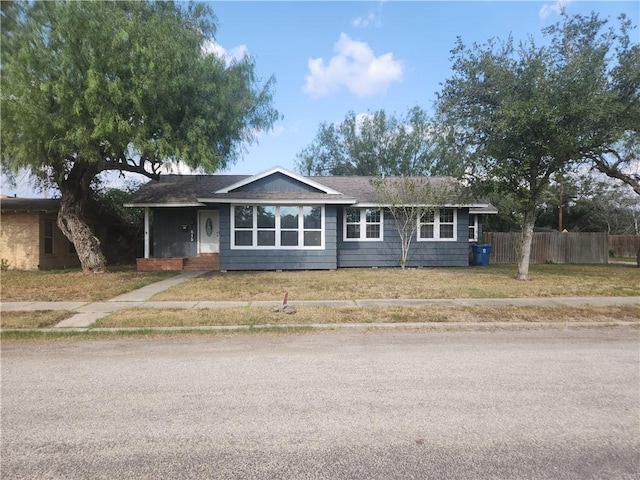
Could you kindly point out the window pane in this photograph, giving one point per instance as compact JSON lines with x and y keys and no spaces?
{"x":353,"y":231}
{"x":373,"y":215}
{"x":266,"y":238}
{"x":243,"y":217}
{"x":289,"y":217}
{"x":312,"y":217}
{"x":472,"y":220}
{"x":243,"y":238}
{"x":353,"y":215}
{"x":312,"y":239}
{"x":446,"y":231}
{"x":266,"y":217}
{"x":426,"y":231}
{"x":289,"y":239}
{"x":472,"y":233}
{"x":373,"y":231}
{"x":446,"y":215}
{"x":48,"y":228}
{"x":427,"y":217}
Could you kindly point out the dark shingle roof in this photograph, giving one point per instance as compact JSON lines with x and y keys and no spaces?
{"x":13,"y":204}
{"x":187,"y":189}
{"x":182,"y":189}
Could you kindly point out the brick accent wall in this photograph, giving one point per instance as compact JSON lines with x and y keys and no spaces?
{"x":146,"y":264}
{"x":21,"y":242}
{"x":20,"y":239}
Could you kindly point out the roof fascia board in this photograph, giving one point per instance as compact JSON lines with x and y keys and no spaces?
{"x":284,"y":171}
{"x":161,"y":205}
{"x":446,"y":205}
{"x":280,"y":201}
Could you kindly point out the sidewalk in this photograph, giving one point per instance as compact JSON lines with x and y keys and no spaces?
{"x":88,"y":313}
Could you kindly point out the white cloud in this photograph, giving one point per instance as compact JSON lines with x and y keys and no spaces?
{"x":235,"y":54}
{"x":355,"y":67}
{"x":553,"y":8}
{"x":371,"y":18}
{"x":277,"y":131}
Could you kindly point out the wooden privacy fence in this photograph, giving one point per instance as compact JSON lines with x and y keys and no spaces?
{"x":624,"y":245}
{"x":553,"y":247}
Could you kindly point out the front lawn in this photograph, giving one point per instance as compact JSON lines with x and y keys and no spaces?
{"x":73,"y":285}
{"x":494,"y":281}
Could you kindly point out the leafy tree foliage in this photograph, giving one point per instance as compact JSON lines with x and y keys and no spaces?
{"x":410,"y":199}
{"x":522,"y":113}
{"x":377,"y":144}
{"x":89,"y":87}
{"x":592,"y":204}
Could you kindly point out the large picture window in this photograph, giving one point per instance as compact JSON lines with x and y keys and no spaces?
{"x":283,"y":227}
{"x":363,"y":224}
{"x":437,"y":225}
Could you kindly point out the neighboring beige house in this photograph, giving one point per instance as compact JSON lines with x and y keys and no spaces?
{"x":30,"y":238}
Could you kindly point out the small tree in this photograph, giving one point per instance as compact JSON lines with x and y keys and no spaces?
{"x":409,"y":199}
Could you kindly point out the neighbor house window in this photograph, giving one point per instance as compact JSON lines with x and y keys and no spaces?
{"x":284,"y":227}
{"x":437,"y":225}
{"x":473,"y":228}
{"x":363,"y":224}
{"x":48,"y":237}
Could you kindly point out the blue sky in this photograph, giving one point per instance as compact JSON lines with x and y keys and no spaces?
{"x":330,"y":58}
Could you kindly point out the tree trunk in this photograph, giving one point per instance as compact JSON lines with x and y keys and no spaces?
{"x":525,"y":246}
{"x":75,"y":193}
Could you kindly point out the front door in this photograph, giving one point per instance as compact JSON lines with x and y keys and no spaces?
{"x":208,"y":231}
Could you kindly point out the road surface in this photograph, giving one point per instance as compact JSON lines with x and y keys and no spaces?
{"x":545,"y":404}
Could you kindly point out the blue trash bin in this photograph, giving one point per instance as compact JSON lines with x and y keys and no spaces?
{"x":481,"y":254}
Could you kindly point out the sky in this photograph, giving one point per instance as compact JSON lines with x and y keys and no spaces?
{"x":330,"y":58}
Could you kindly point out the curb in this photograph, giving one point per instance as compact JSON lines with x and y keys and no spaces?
{"x":291,"y":328}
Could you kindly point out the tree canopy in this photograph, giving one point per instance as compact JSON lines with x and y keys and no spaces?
{"x":375,"y":144}
{"x":522,"y":113}
{"x":89,"y":87}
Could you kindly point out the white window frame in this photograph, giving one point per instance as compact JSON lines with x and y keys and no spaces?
{"x":363,"y":225}
{"x":474,"y":237}
{"x":436,"y":227}
{"x":301,"y":230}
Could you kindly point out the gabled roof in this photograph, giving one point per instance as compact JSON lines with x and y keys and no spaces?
{"x":271,"y":171}
{"x":200,"y":190}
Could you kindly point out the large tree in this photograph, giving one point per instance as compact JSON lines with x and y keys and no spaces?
{"x":523,"y":113}
{"x":375,"y":144}
{"x":89,"y":87}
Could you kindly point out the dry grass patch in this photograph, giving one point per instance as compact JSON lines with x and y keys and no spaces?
{"x":35,"y":319}
{"x":73,"y":285}
{"x":254,"y":316}
{"x":494,"y":281}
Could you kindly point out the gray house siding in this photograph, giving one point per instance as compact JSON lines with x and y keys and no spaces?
{"x":172,"y":235}
{"x":276,"y":259}
{"x":276,"y":182}
{"x":421,"y":254}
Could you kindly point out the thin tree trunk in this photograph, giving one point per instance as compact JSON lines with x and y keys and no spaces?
{"x":525,"y":246}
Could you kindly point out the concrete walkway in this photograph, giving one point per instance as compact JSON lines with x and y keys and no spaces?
{"x":88,"y":313}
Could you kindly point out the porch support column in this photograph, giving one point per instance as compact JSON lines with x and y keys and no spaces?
{"x":147,"y":248}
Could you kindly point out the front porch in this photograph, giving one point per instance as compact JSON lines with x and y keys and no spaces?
{"x":204,"y":261}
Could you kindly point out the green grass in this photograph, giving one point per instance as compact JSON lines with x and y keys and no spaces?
{"x":494,"y":281}
{"x":33,"y":319}
{"x":306,"y":315}
{"x":73,"y":285}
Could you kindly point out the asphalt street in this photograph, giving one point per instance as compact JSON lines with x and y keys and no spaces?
{"x":542,"y":404}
